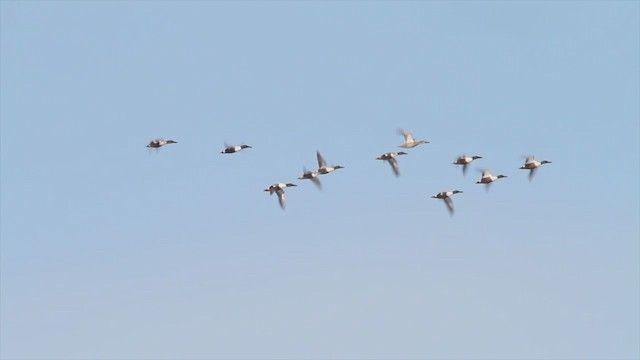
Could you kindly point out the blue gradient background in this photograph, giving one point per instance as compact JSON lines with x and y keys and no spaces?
{"x":112,"y":251}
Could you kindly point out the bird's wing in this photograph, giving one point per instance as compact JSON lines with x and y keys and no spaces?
{"x":408,"y":138}
{"x":281,"y":197}
{"x":449,"y":202}
{"x":532,"y":172}
{"x":321,"y":161}
{"x":317,"y":182}
{"x":394,"y":166}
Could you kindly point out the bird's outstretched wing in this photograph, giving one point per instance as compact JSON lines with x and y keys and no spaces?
{"x":317,"y":182}
{"x":281,"y":198}
{"x":321,"y":161}
{"x":394,"y":166}
{"x":449,"y":202}
{"x":408,"y":138}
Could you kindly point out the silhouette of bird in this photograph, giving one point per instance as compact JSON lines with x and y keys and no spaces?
{"x":278,"y":188}
{"x":390,"y":157}
{"x":532,"y":165}
{"x":446,"y":196}
{"x":323,"y":168}
{"x":157,"y":143}
{"x":487,"y":178}
{"x":465,"y":160}
{"x":409,"y":141}
{"x":230,"y":149}
{"x":311,"y":175}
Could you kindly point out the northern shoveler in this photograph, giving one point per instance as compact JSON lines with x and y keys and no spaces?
{"x":409,"y":140}
{"x":323,"y":168}
{"x":446,"y":196}
{"x":311,"y":175}
{"x":390,"y":157}
{"x":230,"y":149}
{"x":465,"y":160}
{"x":278,"y":188}
{"x":532,"y":165}
{"x":157,"y":143}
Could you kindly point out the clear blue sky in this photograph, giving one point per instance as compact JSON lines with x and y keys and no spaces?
{"x":110,"y":250}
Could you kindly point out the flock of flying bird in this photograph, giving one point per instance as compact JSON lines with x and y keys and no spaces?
{"x":487,"y":178}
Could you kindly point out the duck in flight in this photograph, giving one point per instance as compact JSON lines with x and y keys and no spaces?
{"x":465,"y":160}
{"x":311,"y":175}
{"x":323,"y":168}
{"x":532,"y":165}
{"x":158,"y":143}
{"x":390,"y":157}
{"x":278,"y":188}
{"x":446,"y":196}
{"x":409,"y":140}
{"x":230,"y":149}
{"x":487,"y":178}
